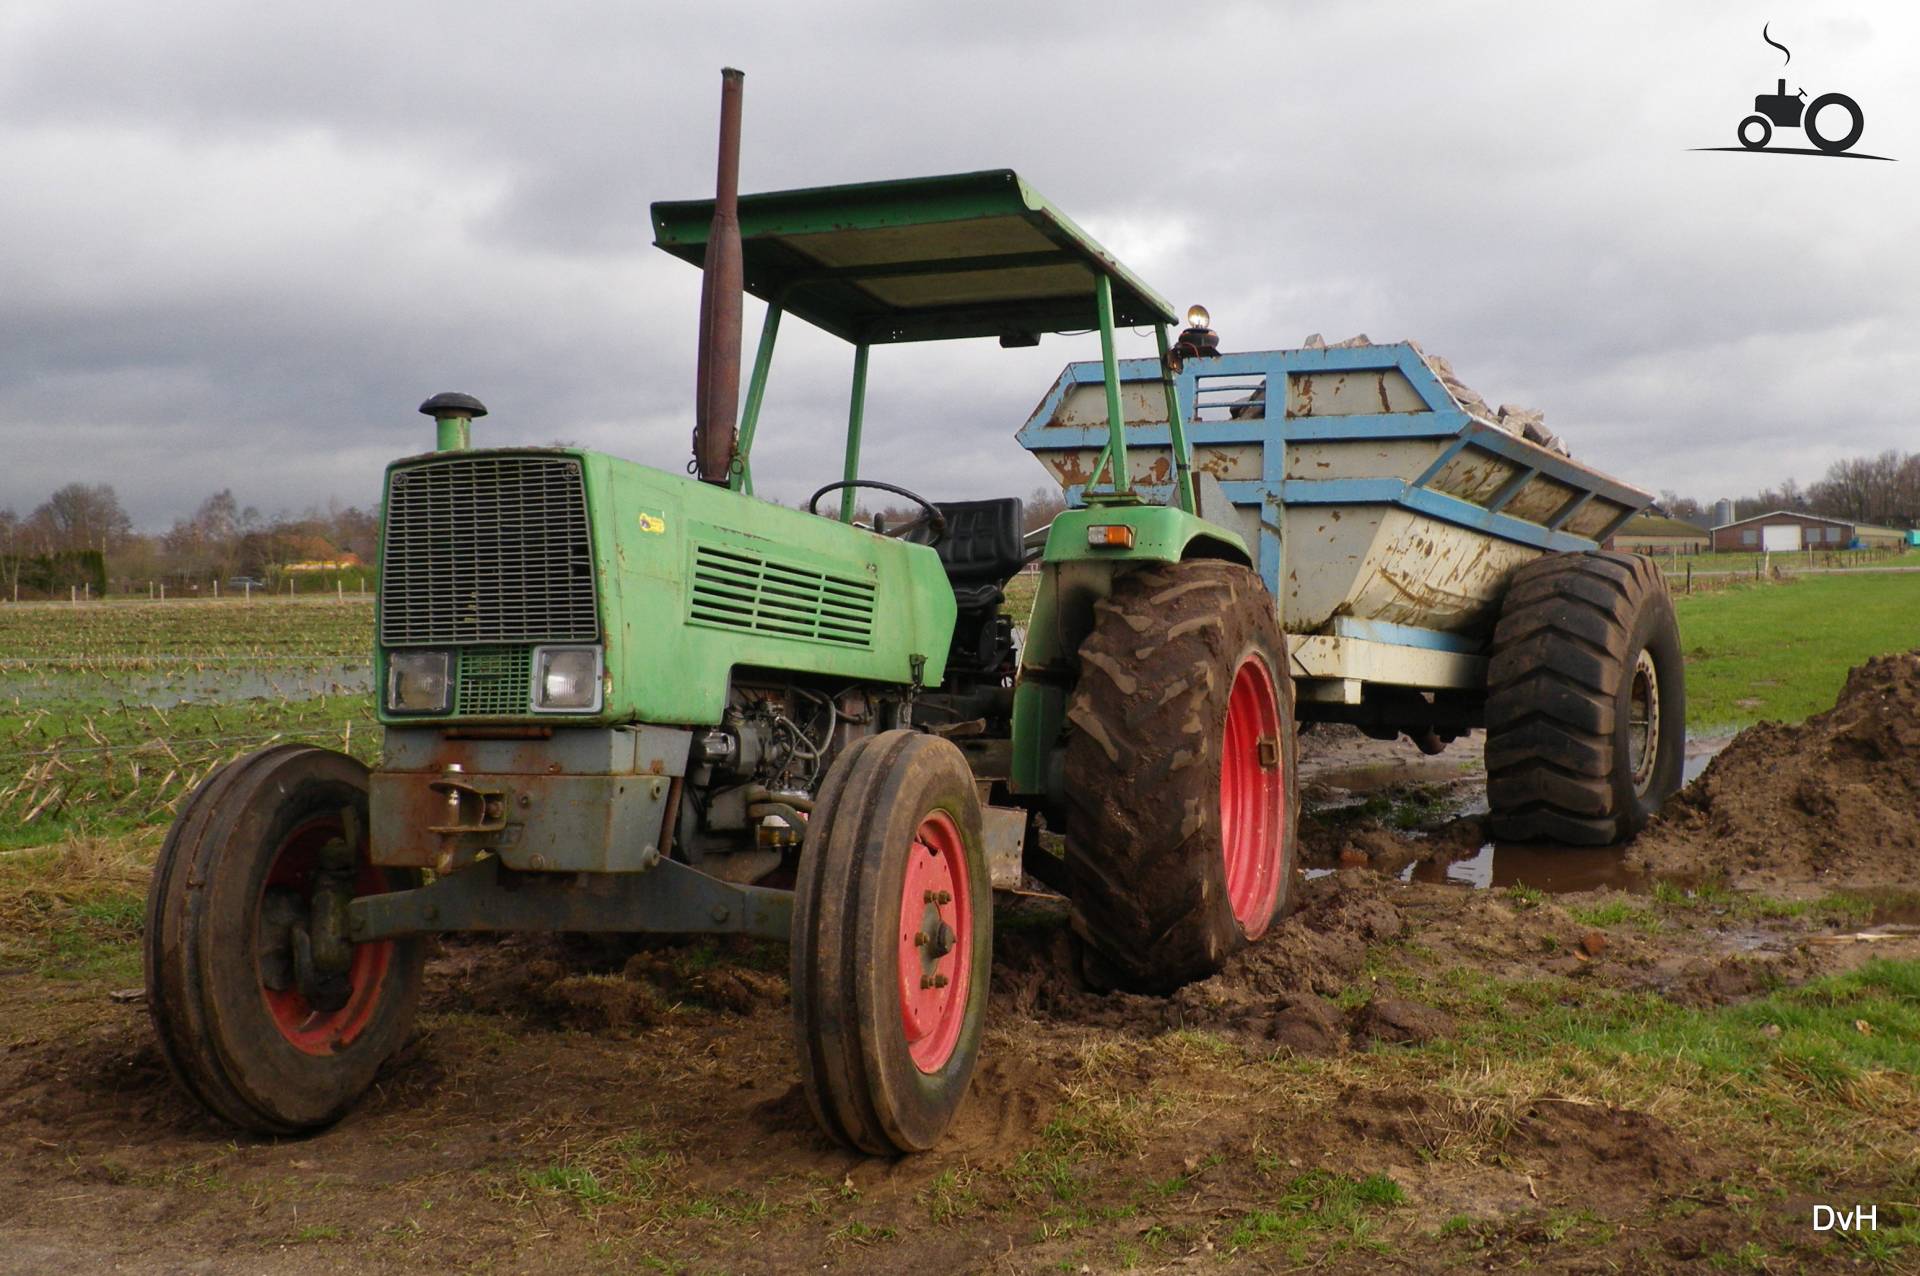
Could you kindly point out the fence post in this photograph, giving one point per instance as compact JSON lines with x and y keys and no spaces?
{"x":1689,"y":578}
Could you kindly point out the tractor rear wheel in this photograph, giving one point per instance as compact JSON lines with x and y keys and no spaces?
{"x":264,"y":1012}
{"x":1182,"y":795}
{"x":1586,"y":704}
{"x":892,"y":943}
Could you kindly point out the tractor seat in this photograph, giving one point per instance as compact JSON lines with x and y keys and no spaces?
{"x":984,"y":545}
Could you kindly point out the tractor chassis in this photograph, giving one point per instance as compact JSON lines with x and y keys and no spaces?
{"x":669,"y":898}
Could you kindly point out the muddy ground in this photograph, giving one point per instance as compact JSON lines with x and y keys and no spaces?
{"x":1448,"y":1057}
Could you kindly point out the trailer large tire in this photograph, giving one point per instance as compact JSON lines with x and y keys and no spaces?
{"x":1586,"y":704}
{"x":1180,"y":781}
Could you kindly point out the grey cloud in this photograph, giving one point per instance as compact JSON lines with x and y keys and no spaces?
{"x":241,"y":242}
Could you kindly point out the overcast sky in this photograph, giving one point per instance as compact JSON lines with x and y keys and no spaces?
{"x":240,"y":242}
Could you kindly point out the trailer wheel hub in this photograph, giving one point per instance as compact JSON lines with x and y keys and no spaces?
{"x":1643,"y":717}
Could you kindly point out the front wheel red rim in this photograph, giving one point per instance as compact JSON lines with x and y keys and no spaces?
{"x":307,"y":1029}
{"x":935,"y":951}
{"x":1252,"y":796}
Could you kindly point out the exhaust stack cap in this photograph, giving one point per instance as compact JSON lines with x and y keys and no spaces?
{"x":451,"y":403}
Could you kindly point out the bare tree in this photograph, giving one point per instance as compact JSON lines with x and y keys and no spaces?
{"x":1044,"y":505}
{"x":13,"y":549}
{"x":84,"y":516}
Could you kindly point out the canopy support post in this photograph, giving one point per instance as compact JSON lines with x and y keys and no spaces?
{"x":1115,"y":453}
{"x":741,"y":480}
{"x":856,"y":411}
{"x":1176,"y":427}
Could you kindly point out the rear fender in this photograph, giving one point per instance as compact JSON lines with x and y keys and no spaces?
{"x":1074,"y":575}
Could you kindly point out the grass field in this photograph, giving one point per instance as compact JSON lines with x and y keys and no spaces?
{"x":1797,"y":561}
{"x":1783,"y":650}
{"x":109,"y":714}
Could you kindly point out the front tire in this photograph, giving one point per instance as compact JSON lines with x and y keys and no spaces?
{"x":1182,"y":795}
{"x":1586,"y":705}
{"x":1766,"y":132}
{"x":239,"y":873}
{"x":892,"y":943}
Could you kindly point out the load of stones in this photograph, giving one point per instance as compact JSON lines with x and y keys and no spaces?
{"x":1528,"y":423}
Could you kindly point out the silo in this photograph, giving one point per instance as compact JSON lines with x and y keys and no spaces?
{"x":1722,"y":513}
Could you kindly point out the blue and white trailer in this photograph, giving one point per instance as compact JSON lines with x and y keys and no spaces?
{"x":1434,"y":571}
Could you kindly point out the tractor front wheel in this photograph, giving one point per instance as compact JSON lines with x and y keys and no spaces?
{"x":265,"y":1012}
{"x":1182,"y":796}
{"x":892,"y":943}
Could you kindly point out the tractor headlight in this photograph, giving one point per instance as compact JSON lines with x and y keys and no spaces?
{"x":566,"y":679}
{"x":417,"y":682}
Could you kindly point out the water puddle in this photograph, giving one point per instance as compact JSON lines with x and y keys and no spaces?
{"x":1550,"y":868}
{"x":1556,"y":870}
{"x":167,"y":689}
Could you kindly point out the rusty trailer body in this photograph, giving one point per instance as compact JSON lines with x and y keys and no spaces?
{"x":1388,"y":520}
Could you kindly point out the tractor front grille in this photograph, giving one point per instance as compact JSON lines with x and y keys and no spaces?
{"x":734,"y":589}
{"x":487,"y":549}
{"x":494,"y":682}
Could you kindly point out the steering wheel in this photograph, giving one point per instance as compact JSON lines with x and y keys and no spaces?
{"x":933,"y":520}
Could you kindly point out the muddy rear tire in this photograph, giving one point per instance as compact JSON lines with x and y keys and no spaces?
{"x":1586,"y":705}
{"x":266,"y":1049}
{"x":892,"y":943}
{"x":1181,"y":787}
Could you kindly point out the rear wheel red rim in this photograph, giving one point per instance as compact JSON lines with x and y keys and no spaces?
{"x":323,"y":1032}
{"x":935,"y":943}
{"x":1252,"y":796}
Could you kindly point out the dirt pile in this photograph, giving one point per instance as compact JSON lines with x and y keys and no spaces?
{"x":1835,"y":799}
{"x":595,"y":984}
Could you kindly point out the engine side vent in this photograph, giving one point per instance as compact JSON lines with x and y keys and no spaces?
{"x":487,"y":549}
{"x":734,"y":589}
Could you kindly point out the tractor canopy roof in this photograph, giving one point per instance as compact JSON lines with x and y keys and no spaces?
{"x":921,"y":259}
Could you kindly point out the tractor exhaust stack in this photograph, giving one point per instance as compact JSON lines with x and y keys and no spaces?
{"x":717,"y":396}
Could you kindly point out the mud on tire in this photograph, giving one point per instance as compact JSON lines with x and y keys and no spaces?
{"x":893,"y":847}
{"x":1152,"y":830}
{"x":1586,"y":704}
{"x":251,"y":1049}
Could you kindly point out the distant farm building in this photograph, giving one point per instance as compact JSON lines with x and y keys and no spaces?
{"x":1657,"y":534}
{"x":1784,"y":531}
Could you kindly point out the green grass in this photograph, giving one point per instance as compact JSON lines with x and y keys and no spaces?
{"x":1782,"y":651}
{"x":110,"y":714}
{"x":1806,"y":1040}
{"x":1020,"y":593}
{"x":1318,"y":1209}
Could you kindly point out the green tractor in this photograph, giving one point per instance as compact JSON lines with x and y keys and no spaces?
{"x":621,"y":700}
